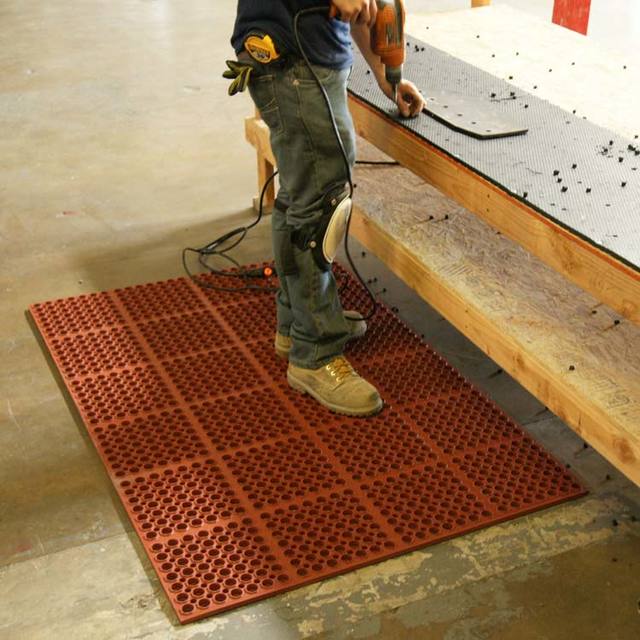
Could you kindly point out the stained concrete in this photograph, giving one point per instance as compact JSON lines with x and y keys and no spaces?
{"x":119,"y":147}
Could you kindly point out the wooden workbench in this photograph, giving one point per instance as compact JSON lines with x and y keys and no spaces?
{"x":576,"y":355}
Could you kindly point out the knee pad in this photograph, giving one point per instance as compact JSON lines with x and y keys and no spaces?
{"x":334,"y":227}
{"x":324,"y":237}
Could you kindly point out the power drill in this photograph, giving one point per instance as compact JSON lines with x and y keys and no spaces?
{"x":387,"y":39}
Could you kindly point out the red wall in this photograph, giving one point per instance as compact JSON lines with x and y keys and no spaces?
{"x":573,"y":14}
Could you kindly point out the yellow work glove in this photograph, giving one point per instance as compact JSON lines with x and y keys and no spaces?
{"x":240,"y":73}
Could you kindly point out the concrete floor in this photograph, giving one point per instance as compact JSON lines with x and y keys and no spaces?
{"x":119,"y":147}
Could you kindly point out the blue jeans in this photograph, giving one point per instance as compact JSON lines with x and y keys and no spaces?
{"x":310,"y":163}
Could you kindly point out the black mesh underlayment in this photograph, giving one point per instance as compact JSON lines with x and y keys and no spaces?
{"x":589,"y":200}
{"x":239,"y":487}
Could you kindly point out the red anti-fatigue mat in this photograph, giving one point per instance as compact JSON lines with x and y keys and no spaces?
{"x":238,"y":487}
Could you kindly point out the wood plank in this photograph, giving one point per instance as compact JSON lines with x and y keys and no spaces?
{"x":608,"y":280}
{"x":569,"y":351}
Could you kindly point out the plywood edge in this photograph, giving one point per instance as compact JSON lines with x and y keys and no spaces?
{"x":579,"y":410}
{"x":610,"y":281}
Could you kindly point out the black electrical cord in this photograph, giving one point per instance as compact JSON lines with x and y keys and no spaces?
{"x":379,"y":163}
{"x":219,"y":248}
{"x":336,"y":131}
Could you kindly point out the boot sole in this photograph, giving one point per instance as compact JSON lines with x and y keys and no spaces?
{"x":301,"y":387}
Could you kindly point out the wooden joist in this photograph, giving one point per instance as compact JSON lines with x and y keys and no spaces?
{"x":609,"y":280}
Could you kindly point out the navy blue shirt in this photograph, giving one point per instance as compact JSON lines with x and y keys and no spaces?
{"x":326,"y":42}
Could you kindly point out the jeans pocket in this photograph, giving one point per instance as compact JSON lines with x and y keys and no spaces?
{"x":262,"y":90}
{"x":304,"y":75}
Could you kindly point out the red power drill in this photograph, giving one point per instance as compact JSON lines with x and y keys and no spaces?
{"x":387,"y":39}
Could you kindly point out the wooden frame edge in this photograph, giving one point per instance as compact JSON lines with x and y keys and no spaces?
{"x":587,"y":420}
{"x":610,"y":281}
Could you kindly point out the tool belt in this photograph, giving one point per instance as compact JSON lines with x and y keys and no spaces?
{"x":260,"y":50}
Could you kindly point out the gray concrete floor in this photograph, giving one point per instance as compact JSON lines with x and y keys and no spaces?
{"x":119,"y":147}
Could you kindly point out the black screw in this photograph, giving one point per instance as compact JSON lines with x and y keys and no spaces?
{"x":559,"y":180}
{"x":624,"y":184}
{"x":510,"y":77}
{"x":589,"y":190}
{"x":574,"y":166}
{"x":621,"y":159}
{"x":608,"y":476}
{"x":493,"y":95}
{"x":364,"y":254}
{"x":611,"y":143}
{"x":614,"y":522}
{"x":535,"y":86}
{"x":556,"y":172}
{"x":565,"y":189}
{"x":585,"y":445}
{"x":526,"y":106}
{"x":525,"y":194}
{"x":616,"y":322}
{"x":572,"y":368}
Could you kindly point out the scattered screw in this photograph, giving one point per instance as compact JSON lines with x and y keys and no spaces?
{"x":588,"y":189}
{"x":624,"y":184}
{"x":526,"y":106}
{"x":364,"y":254}
{"x":556,"y":172}
{"x":525,"y":194}
{"x":565,"y":189}
{"x":620,"y":159}
{"x":611,"y":143}
{"x":574,"y":166}
{"x":510,"y":77}
{"x":616,"y":322}
{"x":493,"y":95}
{"x":608,"y":476}
{"x":559,"y":180}
{"x":614,"y":522}
{"x":585,"y":445}
{"x":572,"y":368}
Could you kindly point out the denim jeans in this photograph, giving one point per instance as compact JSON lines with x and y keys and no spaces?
{"x":310,"y":163}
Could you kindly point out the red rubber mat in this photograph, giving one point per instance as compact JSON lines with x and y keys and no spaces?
{"x":238,"y":487}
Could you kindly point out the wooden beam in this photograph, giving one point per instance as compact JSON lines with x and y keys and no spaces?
{"x":610,"y":281}
{"x":572,"y":14}
{"x":583,"y":413}
{"x":257,"y":133}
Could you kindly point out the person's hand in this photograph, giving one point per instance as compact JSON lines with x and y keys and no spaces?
{"x":409,"y":99}
{"x":357,"y":11}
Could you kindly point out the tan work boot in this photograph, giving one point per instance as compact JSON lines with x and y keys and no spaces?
{"x":338,"y":387}
{"x":357,"y":326}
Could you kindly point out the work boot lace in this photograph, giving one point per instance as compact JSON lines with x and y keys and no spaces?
{"x":340,"y":368}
